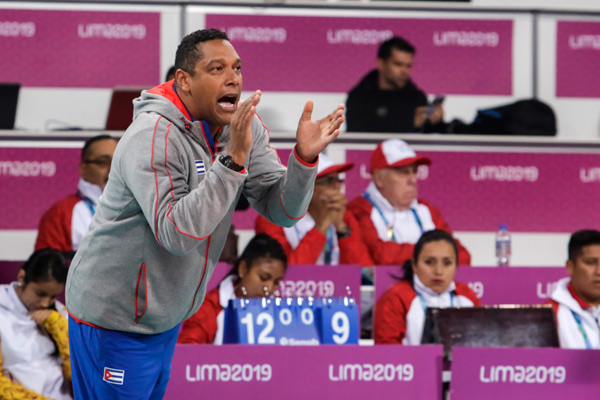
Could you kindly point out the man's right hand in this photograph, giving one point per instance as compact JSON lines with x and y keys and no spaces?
{"x":320,"y":212}
{"x":337,"y":209}
{"x":241,"y":128}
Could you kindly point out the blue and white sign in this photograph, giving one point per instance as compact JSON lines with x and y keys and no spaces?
{"x":292,"y":321}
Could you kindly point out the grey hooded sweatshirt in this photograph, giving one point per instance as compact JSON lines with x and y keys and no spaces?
{"x":163,"y":218}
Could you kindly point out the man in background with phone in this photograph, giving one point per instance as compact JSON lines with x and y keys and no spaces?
{"x":387,"y":100}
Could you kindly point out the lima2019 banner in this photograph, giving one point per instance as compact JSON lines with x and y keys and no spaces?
{"x":331,"y":54}
{"x":577,"y":59}
{"x":477,"y":191}
{"x":531,"y":192}
{"x":83,"y":49}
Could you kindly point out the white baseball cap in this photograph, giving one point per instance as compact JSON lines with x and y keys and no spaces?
{"x":326,"y":166}
{"x":395,"y":153}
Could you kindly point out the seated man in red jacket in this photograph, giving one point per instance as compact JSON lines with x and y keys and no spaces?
{"x":65,"y":224}
{"x":390,"y":216}
{"x":576,"y":299}
{"x":328,"y":233}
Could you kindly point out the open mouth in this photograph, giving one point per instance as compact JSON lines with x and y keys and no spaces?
{"x":228,"y":102}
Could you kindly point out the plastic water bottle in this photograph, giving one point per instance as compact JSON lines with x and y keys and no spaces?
{"x":503,"y":246}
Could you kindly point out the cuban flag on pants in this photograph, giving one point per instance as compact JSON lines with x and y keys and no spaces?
{"x":200,"y":167}
{"x":114,"y":376}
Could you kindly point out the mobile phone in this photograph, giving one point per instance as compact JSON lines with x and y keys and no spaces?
{"x":436,"y":101}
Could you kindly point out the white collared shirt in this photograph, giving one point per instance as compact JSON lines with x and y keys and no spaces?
{"x":82,"y":213}
{"x":404,"y":224}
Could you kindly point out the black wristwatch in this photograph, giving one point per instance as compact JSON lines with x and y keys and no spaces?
{"x":227,"y":161}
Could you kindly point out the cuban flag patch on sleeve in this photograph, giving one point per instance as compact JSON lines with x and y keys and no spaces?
{"x":114,"y":376}
{"x":200,"y":167}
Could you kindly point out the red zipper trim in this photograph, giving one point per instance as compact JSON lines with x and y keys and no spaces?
{"x":203,"y":273}
{"x":137,"y":287}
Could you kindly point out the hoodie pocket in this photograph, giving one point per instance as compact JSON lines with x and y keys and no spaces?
{"x":141,"y":293}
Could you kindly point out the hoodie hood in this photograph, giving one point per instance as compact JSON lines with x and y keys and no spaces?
{"x":164,"y":100}
{"x":564,"y":295}
{"x":10,"y":301}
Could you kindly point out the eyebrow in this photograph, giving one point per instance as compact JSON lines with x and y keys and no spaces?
{"x":222,"y":61}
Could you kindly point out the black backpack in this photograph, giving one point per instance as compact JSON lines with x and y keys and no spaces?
{"x":524,"y":117}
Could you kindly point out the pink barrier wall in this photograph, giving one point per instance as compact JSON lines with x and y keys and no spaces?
{"x":512,"y":285}
{"x":477,"y":191}
{"x":524,"y":373}
{"x":531,"y":192}
{"x":454,"y":56}
{"x":83,"y":49}
{"x":577,"y":59}
{"x":309,"y":280}
{"x":31,"y":180}
{"x":306,"y":372}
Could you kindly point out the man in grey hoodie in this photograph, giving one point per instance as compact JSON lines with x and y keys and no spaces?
{"x":177,"y":173}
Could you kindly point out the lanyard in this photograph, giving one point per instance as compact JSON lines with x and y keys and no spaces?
{"x":390,"y":228}
{"x":577,"y":318}
{"x":205,"y":127}
{"x":424,"y":305}
{"x":329,"y":245}
{"x":88,"y":202}
{"x":418,"y":220}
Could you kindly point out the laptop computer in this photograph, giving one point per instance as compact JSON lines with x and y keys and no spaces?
{"x":9,"y":95}
{"x":491,"y":326}
{"x":120,"y":112}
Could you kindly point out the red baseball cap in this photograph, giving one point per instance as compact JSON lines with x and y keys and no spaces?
{"x":326,"y":166}
{"x":395,"y":153}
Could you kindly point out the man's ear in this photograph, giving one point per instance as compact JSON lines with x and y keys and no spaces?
{"x":570,"y":267}
{"x":377,"y":177}
{"x":182,"y":79}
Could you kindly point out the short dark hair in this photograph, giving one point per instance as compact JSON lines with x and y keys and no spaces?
{"x":580,"y":239}
{"x":188,"y":53}
{"x":435,"y":235}
{"x":170,"y":72}
{"x":86,"y":147}
{"x":396,"y":42}
{"x":261,"y":246}
{"x":45,"y":265}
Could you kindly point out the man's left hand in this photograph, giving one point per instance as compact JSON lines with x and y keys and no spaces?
{"x":312,"y":137}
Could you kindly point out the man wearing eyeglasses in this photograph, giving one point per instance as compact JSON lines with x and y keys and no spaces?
{"x":391,"y":216}
{"x":327,"y":234}
{"x":63,"y":226}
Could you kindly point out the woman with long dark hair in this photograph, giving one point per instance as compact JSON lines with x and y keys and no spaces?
{"x":256,"y":273}
{"x":34,"y":356}
{"x":428,"y":281}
